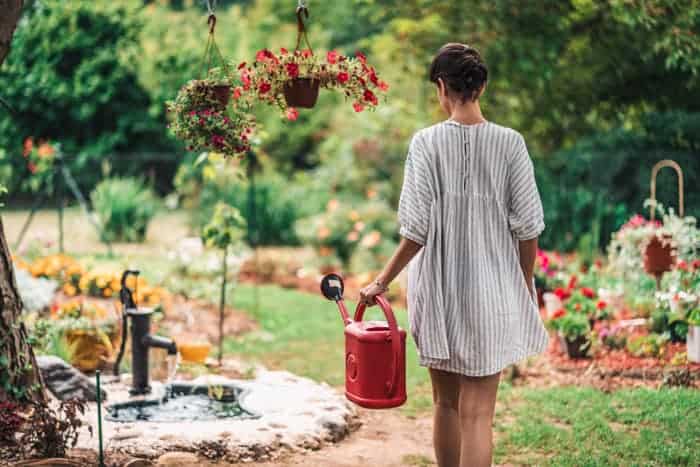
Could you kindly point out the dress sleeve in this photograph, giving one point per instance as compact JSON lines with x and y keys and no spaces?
{"x":525,"y":214}
{"x":415,"y":199}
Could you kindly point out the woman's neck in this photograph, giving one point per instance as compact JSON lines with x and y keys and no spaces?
{"x":468,"y":113}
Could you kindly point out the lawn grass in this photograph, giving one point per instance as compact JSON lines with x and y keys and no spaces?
{"x":566,"y":426}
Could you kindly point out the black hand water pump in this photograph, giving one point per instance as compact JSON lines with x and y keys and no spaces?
{"x":141,"y":337}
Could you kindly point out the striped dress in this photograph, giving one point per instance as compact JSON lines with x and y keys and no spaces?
{"x":468,"y":196}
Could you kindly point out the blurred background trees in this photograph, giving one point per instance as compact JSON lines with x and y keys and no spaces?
{"x":601,"y":90}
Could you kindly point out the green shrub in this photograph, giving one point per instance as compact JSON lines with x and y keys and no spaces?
{"x":124,"y":206}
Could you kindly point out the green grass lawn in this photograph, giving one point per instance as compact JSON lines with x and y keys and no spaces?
{"x":303,"y":333}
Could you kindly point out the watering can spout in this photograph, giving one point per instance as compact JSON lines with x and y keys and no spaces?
{"x":332,"y":288}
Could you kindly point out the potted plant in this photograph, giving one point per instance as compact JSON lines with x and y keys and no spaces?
{"x":201,"y":118}
{"x":573,"y":330}
{"x":291,"y":79}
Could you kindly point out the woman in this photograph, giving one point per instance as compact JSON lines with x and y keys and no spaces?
{"x":470,"y":214}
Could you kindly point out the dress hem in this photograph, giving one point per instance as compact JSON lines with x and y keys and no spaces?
{"x":444,"y":365}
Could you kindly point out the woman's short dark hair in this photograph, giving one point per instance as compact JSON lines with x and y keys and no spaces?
{"x":461,"y":69}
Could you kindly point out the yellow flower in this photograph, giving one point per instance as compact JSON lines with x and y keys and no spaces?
{"x":101,"y":282}
{"x":353,"y":215}
{"x":107,"y":292}
{"x":69,"y":290}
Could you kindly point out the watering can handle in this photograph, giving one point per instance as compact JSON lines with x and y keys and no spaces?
{"x":395,"y":338}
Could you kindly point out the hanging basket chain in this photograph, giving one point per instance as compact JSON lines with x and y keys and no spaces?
{"x":302,"y":12}
{"x":211,"y":50}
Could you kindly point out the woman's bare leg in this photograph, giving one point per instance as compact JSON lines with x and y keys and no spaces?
{"x":446,"y":427}
{"x":477,"y":403}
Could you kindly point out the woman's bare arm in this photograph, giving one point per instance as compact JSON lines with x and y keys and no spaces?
{"x":406,"y":250}
{"x":528,"y":254}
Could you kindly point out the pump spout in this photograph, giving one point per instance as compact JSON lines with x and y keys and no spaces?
{"x":161,"y":343}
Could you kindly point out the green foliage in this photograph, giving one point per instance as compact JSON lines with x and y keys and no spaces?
{"x":650,"y":345}
{"x":346,"y":228}
{"x":573,"y":325}
{"x":125,"y":206}
{"x":71,"y":77}
{"x":226,"y":227}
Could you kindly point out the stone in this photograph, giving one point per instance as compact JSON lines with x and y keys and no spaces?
{"x":66,"y":382}
{"x":177,"y":459}
{"x":139,"y":463}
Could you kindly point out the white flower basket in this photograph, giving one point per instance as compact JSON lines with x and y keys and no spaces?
{"x":694,"y":343}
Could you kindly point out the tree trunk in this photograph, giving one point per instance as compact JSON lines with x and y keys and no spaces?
{"x":19,"y":374}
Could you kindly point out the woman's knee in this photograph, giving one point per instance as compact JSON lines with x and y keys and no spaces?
{"x":445,"y":390}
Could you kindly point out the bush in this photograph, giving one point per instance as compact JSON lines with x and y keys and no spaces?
{"x":273,"y":210}
{"x":125,"y":206}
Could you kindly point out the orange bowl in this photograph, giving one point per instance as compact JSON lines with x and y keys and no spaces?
{"x":195,"y":352}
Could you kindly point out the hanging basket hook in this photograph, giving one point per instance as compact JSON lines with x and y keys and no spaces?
{"x":211,"y":21}
{"x":302,"y":14}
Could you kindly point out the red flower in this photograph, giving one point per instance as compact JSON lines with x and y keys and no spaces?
{"x":292,"y":114}
{"x":369,"y":96}
{"x":383,"y":86}
{"x":237,"y":92}
{"x":373,"y":77}
{"x":28,"y":145}
{"x":241,"y":65}
{"x":31,"y":167}
{"x":264,"y":87}
{"x":598,"y":263}
{"x":682,"y":265}
{"x":587,"y":292}
{"x":245,"y":77}
{"x":332,"y":57}
{"x":264,"y":55}
{"x":292,"y":70}
{"x":559,"y":313}
{"x":306,"y":53}
{"x":601,"y":305}
{"x":563,"y":294}
{"x":358,"y":107}
{"x":284,"y":51}
{"x":573,"y":281}
{"x":696,"y":264}
{"x":361,"y":57}
{"x":343,"y":77}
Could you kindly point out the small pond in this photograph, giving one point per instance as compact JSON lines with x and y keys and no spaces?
{"x":184,"y":402}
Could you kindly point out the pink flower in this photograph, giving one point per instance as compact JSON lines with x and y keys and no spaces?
{"x":306,"y":53}
{"x":358,"y":107}
{"x":265,"y":55}
{"x":383,"y":85}
{"x":332,"y":57}
{"x":245,"y":77}
{"x":217,"y":141}
{"x":237,"y":92}
{"x":292,"y":114}
{"x":264,"y":87}
{"x":343,"y":77}
{"x":361,"y":57}
{"x":292,"y":70}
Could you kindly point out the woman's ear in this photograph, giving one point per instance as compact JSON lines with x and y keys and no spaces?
{"x":442,"y":88}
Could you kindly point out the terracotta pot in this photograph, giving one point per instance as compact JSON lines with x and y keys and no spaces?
{"x":659,"y":255}
{"x":220,"y":93}
{"x":578,"y":348}
{"x":301,"y":92}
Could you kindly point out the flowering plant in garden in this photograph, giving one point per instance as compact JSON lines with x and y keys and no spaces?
{"x":266,"y":77}
{"x":203,"y":119}
{"x":586,"y":302}
{"x":571,"y":325}
{"x":626,"y":247}
{"x":40,"y":156}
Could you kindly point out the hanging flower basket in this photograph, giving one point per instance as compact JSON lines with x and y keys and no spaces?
{"x":659,"y":254}
{"x":203,"y":121}
{"x":301,"y":92}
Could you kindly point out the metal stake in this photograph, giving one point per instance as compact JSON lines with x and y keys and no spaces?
{"x":99,"y":419}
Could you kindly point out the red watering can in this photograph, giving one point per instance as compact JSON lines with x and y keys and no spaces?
{"x":375,"y":352}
